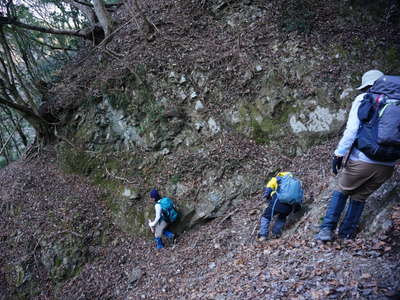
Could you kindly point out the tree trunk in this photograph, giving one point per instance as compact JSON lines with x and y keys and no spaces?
{"x":103,"y":16}
{"x":148,"y":27}
{"x":86,"y":10}
{"x":17,"y":125}
{"x":44,"y":130}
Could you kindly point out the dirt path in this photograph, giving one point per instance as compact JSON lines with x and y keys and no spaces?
{"x":219,"y":260}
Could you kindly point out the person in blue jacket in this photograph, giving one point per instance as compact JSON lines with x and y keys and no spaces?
{"x":275,"y":208}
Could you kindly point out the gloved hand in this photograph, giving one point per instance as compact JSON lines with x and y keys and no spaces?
{"x":336,"y":163}
{"x":297,"y":207}
{"x":267,"y":193}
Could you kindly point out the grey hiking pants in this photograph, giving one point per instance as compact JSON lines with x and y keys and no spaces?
{"x":360,"y":179}
{"x":159,"y":228}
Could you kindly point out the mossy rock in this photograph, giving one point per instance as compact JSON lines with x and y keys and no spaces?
{"x":64,"y":257}
{"x":3,"y":162}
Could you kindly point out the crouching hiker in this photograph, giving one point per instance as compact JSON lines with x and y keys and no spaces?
{"x":285,"y":194}
{"x":165,"y":215}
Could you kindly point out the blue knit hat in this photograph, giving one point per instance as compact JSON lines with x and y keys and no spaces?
{"x":154,"y":194}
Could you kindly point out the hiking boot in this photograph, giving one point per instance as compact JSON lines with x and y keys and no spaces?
{"x":264,"y":226}
{"x":262,"y":238}
{"x":276,"y":235}
{"x":325,"y":235}
{"x":348,"y":228}
{"x":159,"y":243}
{"x":278,"y":227}
{"x":334,"y":210}
{"x":170,"y":236}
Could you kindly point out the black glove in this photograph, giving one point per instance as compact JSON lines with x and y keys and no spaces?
{"x":267,"y":193}
{"x":336,"y":163}
{"x":297,"y":207}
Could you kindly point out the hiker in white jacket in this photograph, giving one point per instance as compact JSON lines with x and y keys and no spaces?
{"x":159,"y":224}
{"x":360,"y":177}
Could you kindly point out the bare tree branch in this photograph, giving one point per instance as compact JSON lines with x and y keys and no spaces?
{"x":21,"y":108}
{"x":51,"y":46}
{"x":12,"y":21}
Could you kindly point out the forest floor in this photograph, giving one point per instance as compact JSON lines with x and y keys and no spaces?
{"x":218,"y":260}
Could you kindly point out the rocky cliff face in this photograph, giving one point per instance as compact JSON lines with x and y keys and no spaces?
{"x":222,"y":99}
{"x":173,"y":115}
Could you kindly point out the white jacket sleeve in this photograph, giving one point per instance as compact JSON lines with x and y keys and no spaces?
{"x":350,"y":133}
{"x":158,"y":215}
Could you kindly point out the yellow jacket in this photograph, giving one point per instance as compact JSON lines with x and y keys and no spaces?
{"x":273,"y":183}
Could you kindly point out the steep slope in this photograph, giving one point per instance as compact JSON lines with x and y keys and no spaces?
{"x":56,"y":231}
{"x":222,"y":95}
{"x":50,"y":223}
{"x":220,"y":83}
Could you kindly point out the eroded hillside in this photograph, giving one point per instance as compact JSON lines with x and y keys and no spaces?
{"x":230,"y":78}
{"x":220,"y":96}
{"x":57,"y":230}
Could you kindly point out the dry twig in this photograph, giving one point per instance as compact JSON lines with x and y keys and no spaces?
{"x":228,"y":216}
{"x":117,"y":177}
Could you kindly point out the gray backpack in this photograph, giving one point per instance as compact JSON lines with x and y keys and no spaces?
{"x":379,"y":134}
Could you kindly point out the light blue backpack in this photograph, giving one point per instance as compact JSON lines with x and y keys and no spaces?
{"x":289,"y":190}
{"x":168,"y":210}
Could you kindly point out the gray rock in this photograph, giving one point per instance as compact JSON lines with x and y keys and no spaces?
{"x":193,"y":95}
{"x":182,"y":79}
{"x":135,"y":275}
{"x":346,"y":93}
{"x":165,"y":151}
{"x":213,"y":126}
{"x":199,"y":106}
{"x":130,"y":194}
